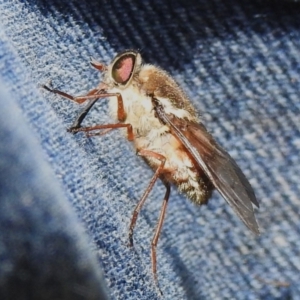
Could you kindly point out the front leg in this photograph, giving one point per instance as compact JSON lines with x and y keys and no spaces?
{"x":93,"y":95}
{"x":79,"y":119}
{"x":78,"y":99}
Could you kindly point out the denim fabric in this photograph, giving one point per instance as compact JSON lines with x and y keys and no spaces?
{"x":43,"y":251}
{"x":237,"y":60}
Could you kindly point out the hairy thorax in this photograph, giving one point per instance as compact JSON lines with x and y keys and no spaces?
{"x":150,"y":134}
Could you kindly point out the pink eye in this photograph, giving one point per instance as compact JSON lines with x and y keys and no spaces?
{"x":123,"y":68}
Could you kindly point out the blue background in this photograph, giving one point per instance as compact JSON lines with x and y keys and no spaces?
{"x":66,"y":201}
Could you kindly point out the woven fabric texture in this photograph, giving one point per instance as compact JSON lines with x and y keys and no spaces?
{"x":66,"y":201}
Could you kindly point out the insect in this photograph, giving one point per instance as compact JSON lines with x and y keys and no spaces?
{"x":165,"y":130}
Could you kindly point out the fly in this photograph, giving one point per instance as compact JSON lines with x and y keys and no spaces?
{"x":163,"y":125}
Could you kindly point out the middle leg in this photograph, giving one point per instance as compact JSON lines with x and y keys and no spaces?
{"x":108,"y":127}
{"x":162,"y":159}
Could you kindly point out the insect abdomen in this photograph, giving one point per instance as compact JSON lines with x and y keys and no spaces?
{"x":198,"y":192}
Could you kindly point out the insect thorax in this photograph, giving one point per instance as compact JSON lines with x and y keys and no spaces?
{"x":150,"y":134}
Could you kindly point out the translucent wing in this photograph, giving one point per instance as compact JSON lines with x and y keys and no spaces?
{"x":217,"y":164}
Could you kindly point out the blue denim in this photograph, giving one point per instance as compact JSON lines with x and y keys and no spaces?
{"x":66,"y":200}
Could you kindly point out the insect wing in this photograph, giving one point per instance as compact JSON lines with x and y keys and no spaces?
{"x":217,"y":164}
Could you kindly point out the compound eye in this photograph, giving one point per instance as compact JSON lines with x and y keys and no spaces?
{"x":123,"y":67}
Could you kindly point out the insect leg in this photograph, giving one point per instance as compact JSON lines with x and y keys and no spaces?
{"x":146,"y":153}
{"x":79,"y":119}
{"x":158,"y":230}
{"x":79,"y":99}
{"x":130,"y":134}
{"x":93,"y":95}
{"x":121,"y":112}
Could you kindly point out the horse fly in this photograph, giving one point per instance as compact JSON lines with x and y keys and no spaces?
{"x":165,"y":130}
